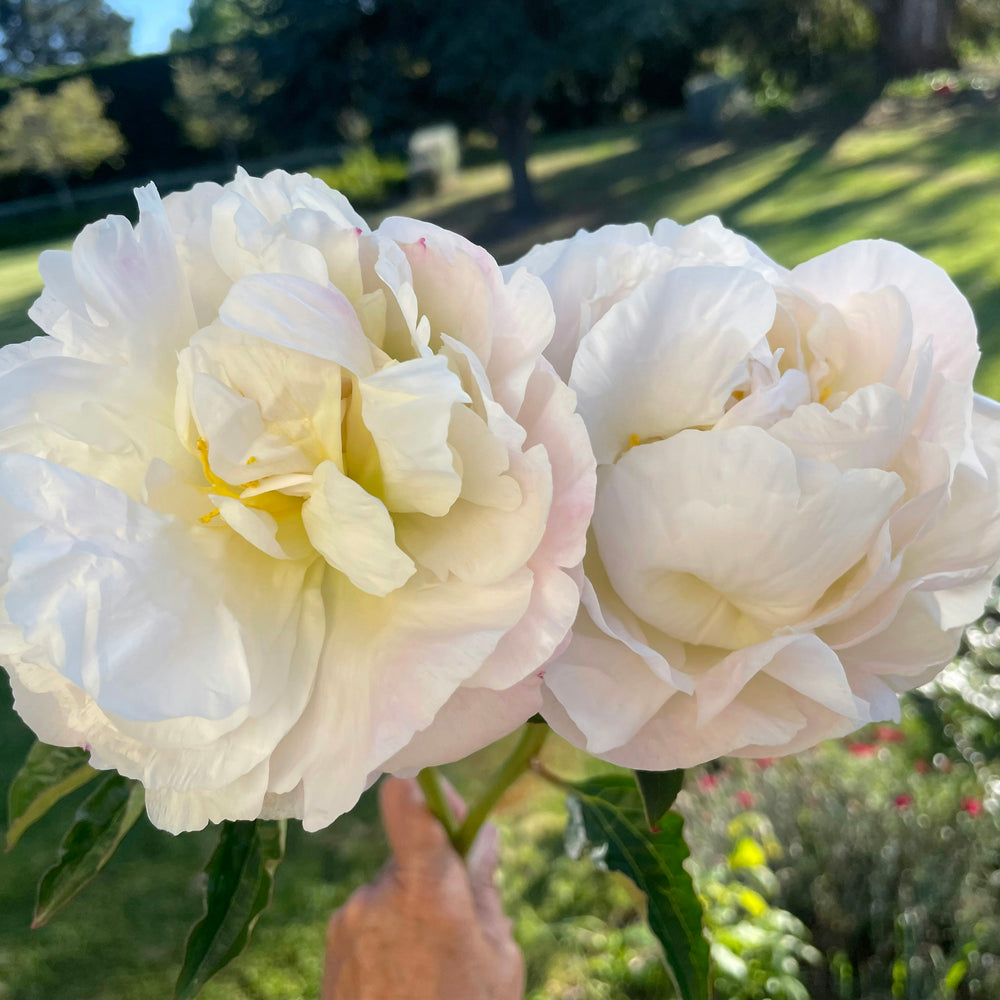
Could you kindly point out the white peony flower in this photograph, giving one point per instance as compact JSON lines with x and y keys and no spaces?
{"x":798,"y":505}
{"x":284,"y":503}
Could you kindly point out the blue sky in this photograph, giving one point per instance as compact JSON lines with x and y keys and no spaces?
{"x":153,"y":20}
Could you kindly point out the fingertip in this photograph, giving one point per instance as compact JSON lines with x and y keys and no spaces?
{"x":397,"y":796}
{"x":416,"y":837}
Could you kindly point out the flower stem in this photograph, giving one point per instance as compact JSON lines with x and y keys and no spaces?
{"x":437,"y":802}
{"x":516,"y":764}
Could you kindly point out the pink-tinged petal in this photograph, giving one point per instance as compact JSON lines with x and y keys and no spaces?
{"x":454,"y":281}
{"x":549,"y":415}
{"x":607,"y":690}
{"x":471,"y":719}
{"x":540,"y":632}
{"x":939,"y":311}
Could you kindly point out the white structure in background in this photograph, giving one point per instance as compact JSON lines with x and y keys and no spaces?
{"x":435,"y":157}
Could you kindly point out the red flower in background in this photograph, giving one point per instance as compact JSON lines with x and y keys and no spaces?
{"x":764,"y":762}
{"x":972,"y":806}
{"x":707,"y":782}
{"x":744,"y":798}
{"x":904,"y":801}
{"x":921,"y":766}
{"x":889,"y":734}
{"x":862,"y":749}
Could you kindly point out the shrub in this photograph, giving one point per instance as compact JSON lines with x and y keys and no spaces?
{"x":367,"y":180}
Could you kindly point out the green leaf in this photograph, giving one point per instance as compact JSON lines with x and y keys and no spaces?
{"x":240,"y":881}
{"x":607,"y":813}
{"x":47,"y":775}
{"x":658,"y":790}
{"x":101,"y":822}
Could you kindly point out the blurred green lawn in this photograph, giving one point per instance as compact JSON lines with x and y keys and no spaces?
{"x":930,"y":179}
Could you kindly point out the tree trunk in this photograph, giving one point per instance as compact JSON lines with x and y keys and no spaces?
{"x":914,"y":34}
{"x":512,"y":132}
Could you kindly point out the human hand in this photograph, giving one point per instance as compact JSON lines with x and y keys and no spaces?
{"x":431,"y":926}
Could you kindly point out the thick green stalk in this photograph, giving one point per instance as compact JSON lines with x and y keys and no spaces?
{"x":516,"y":764}
{"x":437,"y":802}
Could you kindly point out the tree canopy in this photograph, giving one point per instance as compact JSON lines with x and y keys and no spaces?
{"x":58,"y":134}
{"x":38,"y":34}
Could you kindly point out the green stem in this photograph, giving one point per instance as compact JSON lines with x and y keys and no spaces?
{"x":516,"y":764}
{"x":437,"y":802}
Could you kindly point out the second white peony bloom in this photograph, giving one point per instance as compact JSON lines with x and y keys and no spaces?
{"x":798,"y":503}
{"x":284,"y":502}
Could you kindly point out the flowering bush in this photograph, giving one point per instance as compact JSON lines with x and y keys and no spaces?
{"x":798,"y":502}
{"x":892,"y":872}
{"x":284,"y":502}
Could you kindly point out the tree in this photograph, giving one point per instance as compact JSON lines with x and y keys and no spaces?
{"x":220,"y":22}
{"x":37,"y":34}
{"x":217,"y":95}
{"x":914,"y":35}
{"x":499,"y":58}
{"x":58,"y":134}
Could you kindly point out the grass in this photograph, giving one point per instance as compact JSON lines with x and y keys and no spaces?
{"x":930,"y":179}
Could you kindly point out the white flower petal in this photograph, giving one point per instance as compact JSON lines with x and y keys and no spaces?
{"x":670,"y":355}
{"x":354,"y":533}
{"x":939,"y":311}
{"x":407,"y":410}
{"x":718,"y":537}
{"x":300,"y":315}
{"x":94,"y":560}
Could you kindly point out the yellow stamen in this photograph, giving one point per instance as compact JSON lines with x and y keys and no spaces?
{"x":633,"y":441}
{"x":275,"y":503}
{"x":825,"y":394}
{"x":739,"y":394}
{"x":219,"y":485}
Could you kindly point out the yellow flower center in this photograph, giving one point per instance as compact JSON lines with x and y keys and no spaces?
{"x":276,"y":503}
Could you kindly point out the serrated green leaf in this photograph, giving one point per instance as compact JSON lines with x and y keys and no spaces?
{"x":47,"y":775}
{"x":240,"y":881}
{"x":659,"y":790}
{"x":607,"y":813}
{"x":101,"y":822}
